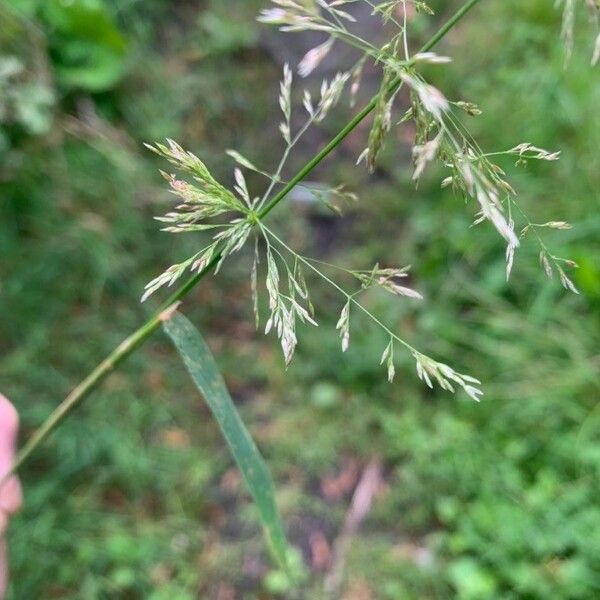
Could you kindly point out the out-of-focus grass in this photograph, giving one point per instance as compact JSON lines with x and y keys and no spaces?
{"x":135,"y":496}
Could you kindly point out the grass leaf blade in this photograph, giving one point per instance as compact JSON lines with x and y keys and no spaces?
{"x":205,"y":373}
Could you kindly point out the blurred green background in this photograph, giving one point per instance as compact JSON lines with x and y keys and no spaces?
{"x":136,"y":495}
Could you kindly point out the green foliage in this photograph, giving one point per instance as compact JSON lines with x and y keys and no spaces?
{"x":25,"y":104}
{"x":89,"y":51}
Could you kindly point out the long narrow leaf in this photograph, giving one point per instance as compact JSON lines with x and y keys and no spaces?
{"x":201,"y":365}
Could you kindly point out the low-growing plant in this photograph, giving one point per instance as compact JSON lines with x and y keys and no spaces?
{"x":229,"y":220}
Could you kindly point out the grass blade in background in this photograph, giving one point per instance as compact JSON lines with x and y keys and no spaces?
{"x":201,"y":365}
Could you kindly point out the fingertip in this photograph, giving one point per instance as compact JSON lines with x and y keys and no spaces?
{"x":9,"y":417}
{"x":11,"y":497}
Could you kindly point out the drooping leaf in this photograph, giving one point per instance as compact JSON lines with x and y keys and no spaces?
{"x":201,"y":365}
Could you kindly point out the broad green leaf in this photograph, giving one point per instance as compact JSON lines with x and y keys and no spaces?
{"x":201,"y":365}
{"x":88,"y":48}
